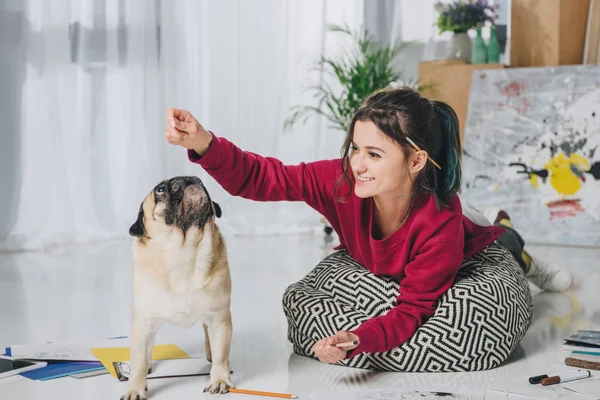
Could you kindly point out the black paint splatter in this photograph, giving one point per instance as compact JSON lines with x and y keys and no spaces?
{"x":542,"y":173}
{"x":553,"y":149}
{"x":572,"y":147}
{"x":595,"y":170}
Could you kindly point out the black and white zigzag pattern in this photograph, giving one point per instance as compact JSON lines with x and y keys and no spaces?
{"x":478,"y":322}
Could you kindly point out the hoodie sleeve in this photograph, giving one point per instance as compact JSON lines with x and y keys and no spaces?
{"x":259,"y":178}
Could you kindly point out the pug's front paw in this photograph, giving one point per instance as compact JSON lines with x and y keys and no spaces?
{"x":220,"y":382}
{"x":134,"y":394}
{"x":219,"y":386}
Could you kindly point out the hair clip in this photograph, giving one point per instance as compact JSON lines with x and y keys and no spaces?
{"x":419,"y":149}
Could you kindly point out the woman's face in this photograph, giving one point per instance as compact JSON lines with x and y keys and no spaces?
{"x":378,"y":163}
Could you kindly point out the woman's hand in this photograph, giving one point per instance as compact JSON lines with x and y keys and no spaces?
{"x":184,"y":130}
{"x":327,"y":351}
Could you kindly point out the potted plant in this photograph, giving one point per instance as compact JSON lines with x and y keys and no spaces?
{"x":458,"y":17}
{"x":365,"y":68}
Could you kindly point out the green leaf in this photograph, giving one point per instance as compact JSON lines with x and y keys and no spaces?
{"x":361,"y":69}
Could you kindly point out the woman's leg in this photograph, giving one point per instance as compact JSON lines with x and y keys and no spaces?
{"x":545,"y":275}
{"x":477,"y":324}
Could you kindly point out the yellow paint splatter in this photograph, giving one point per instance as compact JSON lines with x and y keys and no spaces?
{"x":535,"y":181}
{"x":562,"y":178}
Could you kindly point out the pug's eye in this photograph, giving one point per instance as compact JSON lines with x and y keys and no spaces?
{"x":160,"y":189}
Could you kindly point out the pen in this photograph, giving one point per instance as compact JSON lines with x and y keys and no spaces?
{"x":268,"y":394}
{"x":347,"y":344}
{"x":534,"y":380}
{"x":567,"y":377}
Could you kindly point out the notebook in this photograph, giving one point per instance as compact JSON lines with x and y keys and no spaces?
{"x":159,"y":352}
{"x":584,"y":338}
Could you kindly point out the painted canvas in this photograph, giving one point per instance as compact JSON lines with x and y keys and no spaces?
{"x":531,"y":147}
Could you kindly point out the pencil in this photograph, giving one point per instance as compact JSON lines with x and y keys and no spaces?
{"x":347,"y":344}
{"x":257,"y":393}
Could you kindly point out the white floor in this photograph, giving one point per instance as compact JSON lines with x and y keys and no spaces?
{"x":83,"y":292}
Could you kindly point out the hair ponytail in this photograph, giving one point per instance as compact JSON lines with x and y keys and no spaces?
{"x":449,"y":176}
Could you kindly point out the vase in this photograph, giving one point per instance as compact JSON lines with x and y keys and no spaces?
{"x":460,"y":47}
{"x":479,"y":53}
{"x":493,"y":47}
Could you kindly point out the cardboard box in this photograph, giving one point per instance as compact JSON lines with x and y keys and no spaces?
{"x":547,"y":32}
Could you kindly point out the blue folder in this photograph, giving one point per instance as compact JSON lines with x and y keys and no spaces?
{"x":61,"y":369}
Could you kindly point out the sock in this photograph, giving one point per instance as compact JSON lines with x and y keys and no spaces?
{"x":502,"y":215}
{"x":505,"y":222}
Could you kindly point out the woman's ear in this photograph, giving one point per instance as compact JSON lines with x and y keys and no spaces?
{"x":417,"y":161}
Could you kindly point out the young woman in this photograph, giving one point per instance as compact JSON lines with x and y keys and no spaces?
{"x":392,"y":199}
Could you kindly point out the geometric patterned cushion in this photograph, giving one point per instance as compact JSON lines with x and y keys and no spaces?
{"x":478,"y":322}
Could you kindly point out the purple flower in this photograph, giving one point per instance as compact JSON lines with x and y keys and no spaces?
{"x":462,"y":15}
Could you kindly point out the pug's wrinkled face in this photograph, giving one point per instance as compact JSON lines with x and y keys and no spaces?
{"x":182,"y":202}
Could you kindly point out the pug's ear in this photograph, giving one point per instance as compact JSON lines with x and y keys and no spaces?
{"x":217,"y":210}
{"x":137,"y":229}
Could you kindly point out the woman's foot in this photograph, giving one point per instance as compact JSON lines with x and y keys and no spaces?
{"x":495,"y":214}
{"x":549,"y":277}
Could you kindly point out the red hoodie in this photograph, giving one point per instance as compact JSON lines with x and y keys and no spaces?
{"x":424,"y":254}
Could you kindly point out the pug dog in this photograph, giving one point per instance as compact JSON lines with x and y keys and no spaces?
{"x":180,"y":276}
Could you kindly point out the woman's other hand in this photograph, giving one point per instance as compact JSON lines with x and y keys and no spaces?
{"x":327,"y":351}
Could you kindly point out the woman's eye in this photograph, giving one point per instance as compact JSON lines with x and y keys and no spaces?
{"x":374,"y":155}
{"x":353,"y":147}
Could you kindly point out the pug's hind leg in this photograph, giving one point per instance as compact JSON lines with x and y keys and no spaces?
{"x":142,"y":333}
{"x":207,"y":344}
{"x":220,"y":332}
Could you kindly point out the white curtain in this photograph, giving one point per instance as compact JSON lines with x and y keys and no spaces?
{"x":84,"y":85}
{"x":407,"y":21}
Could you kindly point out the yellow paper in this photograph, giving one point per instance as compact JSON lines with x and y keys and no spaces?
{"x":159,"y":352}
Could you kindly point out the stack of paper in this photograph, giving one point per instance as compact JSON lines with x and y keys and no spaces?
{"x":84,"y":359}
{"x":64,"y":359}
{"x":585,"y":349}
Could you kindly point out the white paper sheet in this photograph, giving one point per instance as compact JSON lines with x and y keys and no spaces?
{"x":395,"y":394}
{"x":588,"y":387}
{"x":65,"y":351}
{"x":526,"y":390}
